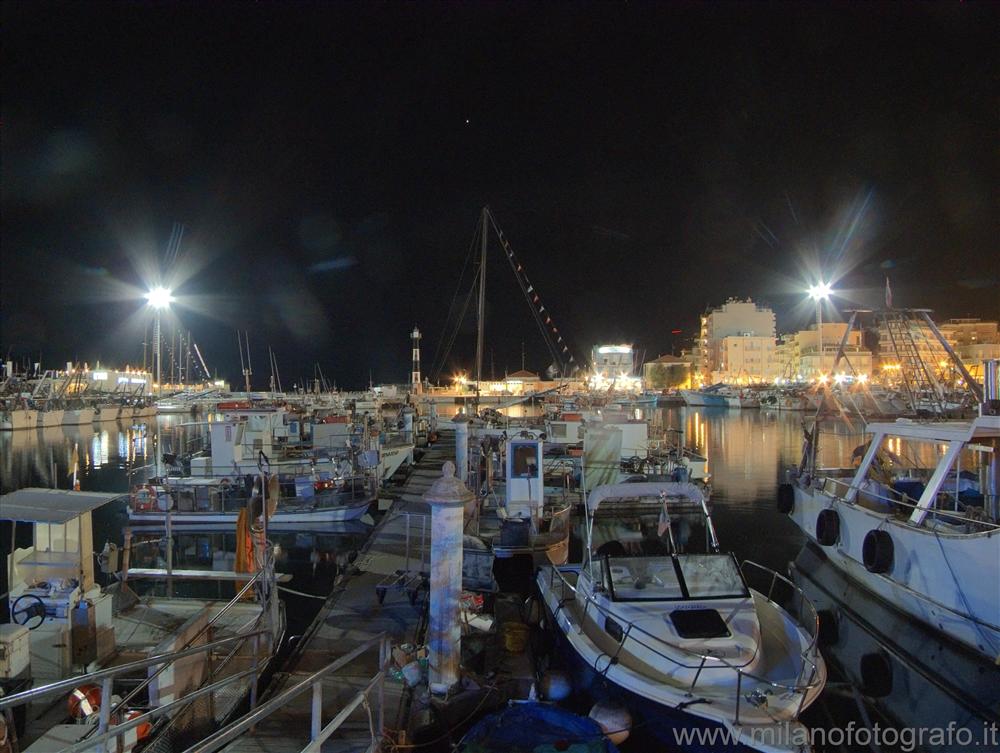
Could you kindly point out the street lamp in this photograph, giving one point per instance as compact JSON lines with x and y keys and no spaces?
{"x":819,"y":293}
{"x":159,"y":298}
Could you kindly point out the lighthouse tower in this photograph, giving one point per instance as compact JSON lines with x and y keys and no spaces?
{"x":415,"y":384}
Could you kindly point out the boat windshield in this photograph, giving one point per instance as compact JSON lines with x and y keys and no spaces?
{"x":686,"y":576}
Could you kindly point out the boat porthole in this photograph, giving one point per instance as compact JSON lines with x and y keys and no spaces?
{"x":876,"y":675}
{"x":828,"y":527}
{"x":786,"y":498}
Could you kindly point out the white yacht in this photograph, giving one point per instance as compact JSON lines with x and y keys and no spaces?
{"x":679,"y":635}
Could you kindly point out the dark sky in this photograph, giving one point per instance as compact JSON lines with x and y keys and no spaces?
{"x":329,"y":162}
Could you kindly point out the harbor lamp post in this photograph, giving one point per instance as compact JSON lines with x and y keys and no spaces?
{"x":159,"y":298}
{"x":819,"y":293}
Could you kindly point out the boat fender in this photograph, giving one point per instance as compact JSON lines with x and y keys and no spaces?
{"x":84,"y":701}
{"x":786,"y":499}
{"x":556,"y":685}
{"x":829,"y":627}
{"x":876,"y":675}
{"x":827,"y":527}
{"x":877,"y":551}
{"x":614,"y":719}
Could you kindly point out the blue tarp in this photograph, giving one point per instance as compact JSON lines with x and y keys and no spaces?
{"x":535,"y":728}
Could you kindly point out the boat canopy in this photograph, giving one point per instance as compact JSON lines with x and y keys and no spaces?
{"x":40,"y":505}
{"x":687,"y":490}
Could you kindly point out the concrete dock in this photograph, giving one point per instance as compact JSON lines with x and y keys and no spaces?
{"x":353,"y":615}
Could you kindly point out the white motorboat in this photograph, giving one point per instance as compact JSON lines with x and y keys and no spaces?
{"x":681,"y":638}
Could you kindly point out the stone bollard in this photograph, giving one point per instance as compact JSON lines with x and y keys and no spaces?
{"x":447,"y":499}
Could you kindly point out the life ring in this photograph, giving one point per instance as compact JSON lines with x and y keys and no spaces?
{"x":827,"y":527}
{"x":786,"y":498}
{"x":130,"y":738}
{"x":877,"y":551}
{"x":144,"y":498}
{"x":84,"y":701}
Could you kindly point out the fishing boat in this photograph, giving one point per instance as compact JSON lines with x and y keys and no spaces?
{"x":305,"y":498}
{"x":707,"y":397}
{"x":134,"y":662}
{"x":914,"y":520}
{"x":680,"y":637}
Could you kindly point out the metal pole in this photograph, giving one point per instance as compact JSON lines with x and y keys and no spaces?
{"x":819,"y":331}
{"x":481,"y":310}
{"x":159,"y":371}
{"x":170,"y":549}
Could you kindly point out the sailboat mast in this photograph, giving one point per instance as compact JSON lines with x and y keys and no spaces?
{"x":481,"y":310}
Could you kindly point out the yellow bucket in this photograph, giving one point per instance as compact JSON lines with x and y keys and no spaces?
{"x":515,"y":637}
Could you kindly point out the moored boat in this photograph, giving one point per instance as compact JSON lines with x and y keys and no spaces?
{"x":681,"y":637}
{"x":915,"y":522}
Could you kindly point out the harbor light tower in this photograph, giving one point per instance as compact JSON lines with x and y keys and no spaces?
{"x":415,"y":382}
{"x":819,"y":293}
{"x":159,"y":298}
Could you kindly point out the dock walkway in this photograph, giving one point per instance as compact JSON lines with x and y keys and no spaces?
{"x":353,"y":615}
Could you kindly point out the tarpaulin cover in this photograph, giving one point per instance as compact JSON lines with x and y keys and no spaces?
{"x":535,"y":728}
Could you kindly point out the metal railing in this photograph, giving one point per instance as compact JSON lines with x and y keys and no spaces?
{"x":106,"y":677}
{"x":702,"y":663}
{"x":318,"y":732}
{"x":841,"y":488}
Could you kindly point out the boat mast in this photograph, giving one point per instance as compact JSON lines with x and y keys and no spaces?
{"x":481,"y":309}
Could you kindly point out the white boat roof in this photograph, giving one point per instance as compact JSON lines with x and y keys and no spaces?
{"x":940,"y":431}
{"x":39,"y":505}
{"x":645,"y":489}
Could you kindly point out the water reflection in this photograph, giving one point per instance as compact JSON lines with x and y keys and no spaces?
{"x":911,"y":677}
{"x":100,"y":456}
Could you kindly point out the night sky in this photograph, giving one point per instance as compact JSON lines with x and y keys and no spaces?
{"x":329,"y":162}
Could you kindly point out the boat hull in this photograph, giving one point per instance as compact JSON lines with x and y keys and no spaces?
{"x":936,"y":577}
{"x":336,"y":514}
{"x":696,"y":399}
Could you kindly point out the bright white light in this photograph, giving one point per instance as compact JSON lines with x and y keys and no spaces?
{"x":160,"y":297}
{"x":862,"y":378}
{"x":820,"y":291}
{"x":839,"y":378}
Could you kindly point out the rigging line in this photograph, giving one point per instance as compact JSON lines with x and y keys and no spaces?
{"x":450,"y":335}
{"x":524,"y":289}
{"x":435,"y":372}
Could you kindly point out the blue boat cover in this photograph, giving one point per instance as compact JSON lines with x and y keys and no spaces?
{"x":535,"y":728}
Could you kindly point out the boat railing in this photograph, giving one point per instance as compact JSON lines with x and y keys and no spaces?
{"x":318,"y":732}
{"x":840,"y":491}
{"x":103,"y":731}
{"x":808,"y":678}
